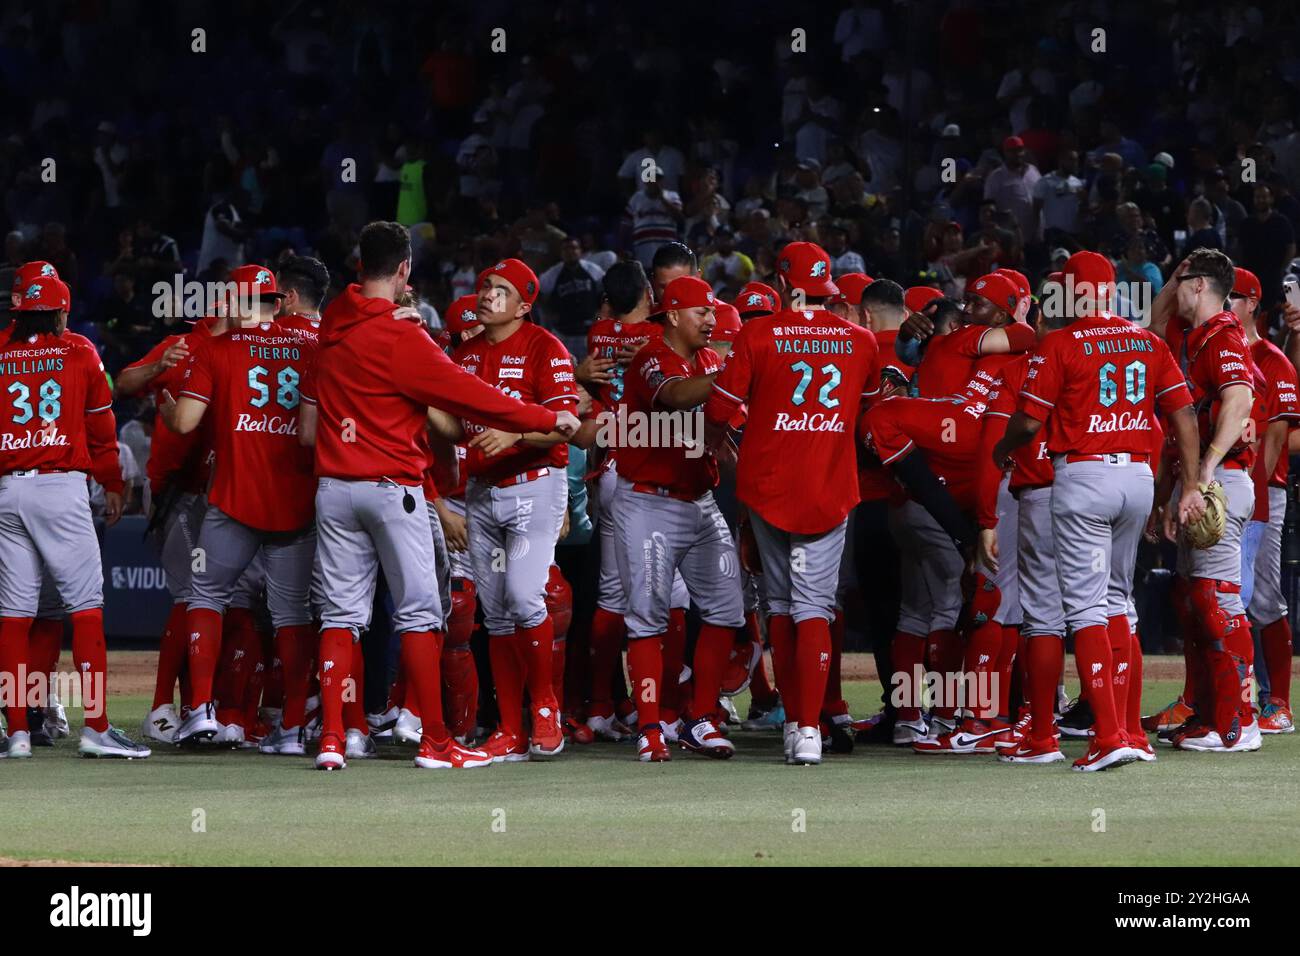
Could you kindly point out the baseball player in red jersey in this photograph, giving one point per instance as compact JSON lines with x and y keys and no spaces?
{"x":376,"y":378}
{"x":249,"y":382}
{"x":1267,"y":606}
{"x":57,"y":397}
{"x":1095,"y":389}
{"x":665,"y":520}
{"x":805,"y":375}
{"x":933,"y":533}
{"x":178,"y":470}
{"x":46,"y":638}
{"x":966,"y":360}
{"x":304,"y":282}
{"x":1210,"y":345}
{"x":516,"y":498}
{"x":1041,"y":651}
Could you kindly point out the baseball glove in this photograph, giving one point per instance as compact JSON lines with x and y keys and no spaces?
{"x":1206,"y":532}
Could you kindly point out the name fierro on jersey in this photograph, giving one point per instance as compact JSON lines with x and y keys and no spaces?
{"x":26,"y":368}
{"x":265,"y":353}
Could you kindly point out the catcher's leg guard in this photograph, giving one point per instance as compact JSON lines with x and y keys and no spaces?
{"x":1216,"y":629}
{"x":459,"y":688}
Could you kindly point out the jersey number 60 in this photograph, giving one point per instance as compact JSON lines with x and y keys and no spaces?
{"x":1135,"y":383}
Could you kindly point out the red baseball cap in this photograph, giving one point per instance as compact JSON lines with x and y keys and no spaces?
{"x":806,"y":266}
{"x":997,"y":289}
{"x":687,"y":292}
{"x":517,"y":274}
{"x":757,"y":298}
{"x":45,"y":294}
{"x":1013,"y":142}
{"x":1021,"y":283}
{"x":851,"y":286}
{"x":919,"y":296}
{"x":258,"y":278}
{"x":727,"y":322}
{"x":1245,"y":283}
{"x":461,"y":314}
{"x":29,"y":272}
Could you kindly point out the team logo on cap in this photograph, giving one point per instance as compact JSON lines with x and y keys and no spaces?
{"x":47,"y":271}
{"x":818,"y":269}
{"x":33,"y":292}
{"x":754,"y":299}
{"x":500,"y":265}
{"x":709,"y":296}
{"x":468,"y":315}
{"x":980,"y":284}
{"x":262,"y":278}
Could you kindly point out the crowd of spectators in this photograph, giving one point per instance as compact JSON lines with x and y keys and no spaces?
{"x":926,"y":141}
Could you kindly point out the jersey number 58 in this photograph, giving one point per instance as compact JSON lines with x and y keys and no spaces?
{"x":287,"y":393}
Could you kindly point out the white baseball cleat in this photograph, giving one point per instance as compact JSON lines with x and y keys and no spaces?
{"x":20,"y":745}
{"x":56,"y":719}
{"x":1210,"y":742}
{"x":283,"y":741}
{"x":110,"y":743}
{"x":200,"y":725}
{"x":408,"y":728}
{"x":703,"y":737}
{"x":908,"y":732}
{"x":672,"y":732}
{"x":359,"y":746}
{"x":161,"y":724}
{"x":606,"y":728}
{"x":383,"y":720}
{"x":807,"y":746}
{"x":789,"y":735}
{"x":230,"y":735}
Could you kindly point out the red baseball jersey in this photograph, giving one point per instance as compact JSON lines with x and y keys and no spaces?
{"x":1215,"y":356}
{"x":376,"y":377}
{"x":300,"y":326}
{"x":805,"y":376}
{"x":946,"y":429}
{"x":1097,"y":384}
{"x":948,"y":361}
{"x":605,"y":339}
{"x":665,"y":459}
{"x":1280,"y":397}
{"x":888,"y":357}
{"x":250,"y":380}
{"x":1031,"y":464}
{"x":531,"y":365}
{"x":183,"y":461}
{"x":53,"y":389}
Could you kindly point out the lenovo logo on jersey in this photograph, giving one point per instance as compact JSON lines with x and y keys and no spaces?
{"x":809,"y":422}
{"x":1118,"y":422}
{"x":267,"y":424}
{"x":510,"y":373}
{"x":49,"y":437}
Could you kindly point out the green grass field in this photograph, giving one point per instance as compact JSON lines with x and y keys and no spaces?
{"x":597,"y":805}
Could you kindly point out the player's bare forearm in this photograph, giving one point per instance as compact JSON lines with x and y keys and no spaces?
{"x":1021,"y":429}
{"x":132,"y":381}
{"x":1234,"y":411}
{"x":445,"y":426}
{"x":308,"y":419}
{"x":684,"y":394}
{"x":182,"y":416}
{"x":1275,"y":439}
{"x":1187,"y":439}
{"x":585,"y":437}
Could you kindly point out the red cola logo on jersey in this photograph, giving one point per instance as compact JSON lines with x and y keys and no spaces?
{"x":1119,"y":422}
{"x":809,"y":422}
{"x":47,"y":437}
{"x":266,"y":424}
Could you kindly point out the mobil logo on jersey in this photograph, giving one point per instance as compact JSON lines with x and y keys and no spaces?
{"x":809,"y":422}
{"x":1119,"y":422}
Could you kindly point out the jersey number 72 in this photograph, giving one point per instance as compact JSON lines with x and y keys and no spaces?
{"x":805,"y":379}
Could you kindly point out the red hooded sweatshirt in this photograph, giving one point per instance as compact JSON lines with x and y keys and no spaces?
{"x":374,"y":378}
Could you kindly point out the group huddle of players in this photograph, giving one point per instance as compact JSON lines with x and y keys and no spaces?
{"x":1016,"y":447}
